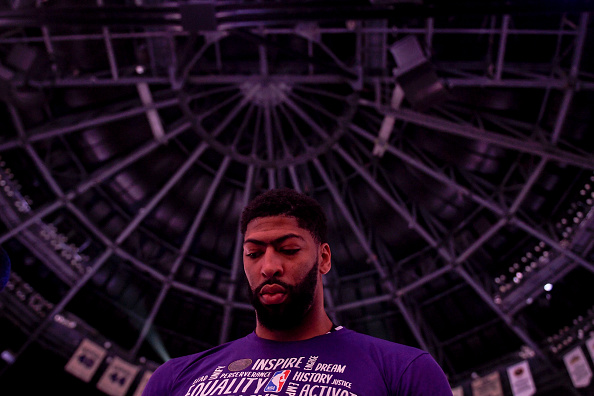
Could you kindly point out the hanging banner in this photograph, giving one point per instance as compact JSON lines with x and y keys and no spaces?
{"x":143,"y":380}
{"x":86,"y":360}
{"x":489,"y":385}
{"x":520,"y":379}
{"x":590,"y":346}
{"x":118,"y":377}
{"x":458,"y":391}
{"x":578,"y":367}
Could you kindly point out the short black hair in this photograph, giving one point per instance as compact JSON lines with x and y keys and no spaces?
{"x":288,"y":202}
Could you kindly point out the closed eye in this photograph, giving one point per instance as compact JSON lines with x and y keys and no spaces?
{"x":290,"y":252}
{"x":253,"y":255}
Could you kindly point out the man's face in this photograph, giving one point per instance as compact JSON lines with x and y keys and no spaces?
{"x":282,"y":265}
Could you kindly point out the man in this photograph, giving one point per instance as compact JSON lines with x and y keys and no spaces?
{"x":296,"y":349}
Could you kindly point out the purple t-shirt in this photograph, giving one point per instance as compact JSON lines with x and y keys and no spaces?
{"x":340,"y":363}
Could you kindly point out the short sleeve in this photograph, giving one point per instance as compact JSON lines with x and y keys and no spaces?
{"x":159,"y":382}
{"x":424,"y":377}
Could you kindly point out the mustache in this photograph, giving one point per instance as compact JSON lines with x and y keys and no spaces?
{"x":273,"y":281}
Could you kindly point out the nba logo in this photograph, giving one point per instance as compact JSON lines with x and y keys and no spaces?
{"x":277,"y":381}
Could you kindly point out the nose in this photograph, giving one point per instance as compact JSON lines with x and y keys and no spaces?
{"x":272,"y":264}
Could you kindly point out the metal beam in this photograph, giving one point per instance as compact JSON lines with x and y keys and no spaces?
{"x":181,"y":254}
{"x":245,"y":15}
{"x":100,"y":260}
{"x":91,"y":120}
{"x":402,"y":211}
{"x":176,"y":177}
{"x":109,"y":170}
{"x":502,"y":46}
{"x":544,"y":150}
{"x":236,"y":263}
{"x":477,"y":81}
{"x":435,"y":174}
{"x":506,"y":318}
{"x":371,"y":255}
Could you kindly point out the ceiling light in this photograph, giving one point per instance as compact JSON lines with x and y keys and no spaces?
{"x":8,"y":357}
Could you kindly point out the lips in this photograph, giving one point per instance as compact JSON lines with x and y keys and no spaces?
{"x":273,"y":294}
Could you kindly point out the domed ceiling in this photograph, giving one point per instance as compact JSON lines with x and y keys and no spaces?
{"x":448,"y":142}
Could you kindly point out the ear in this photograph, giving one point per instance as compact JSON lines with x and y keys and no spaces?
{"x":325,"y":258}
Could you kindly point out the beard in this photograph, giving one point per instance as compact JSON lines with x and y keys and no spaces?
{"x":291,"y":312}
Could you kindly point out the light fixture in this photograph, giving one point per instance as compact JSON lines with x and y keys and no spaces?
{"x":8,"y":357}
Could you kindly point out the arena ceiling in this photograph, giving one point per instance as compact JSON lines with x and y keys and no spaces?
{"x":448,"y":142}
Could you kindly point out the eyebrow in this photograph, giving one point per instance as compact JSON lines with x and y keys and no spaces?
{"x":274,"y":242}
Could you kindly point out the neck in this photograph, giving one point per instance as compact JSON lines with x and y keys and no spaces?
{"x":313,"y":325}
